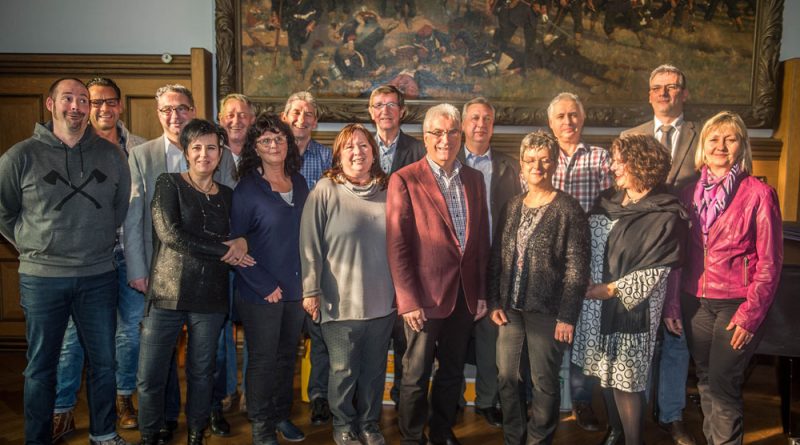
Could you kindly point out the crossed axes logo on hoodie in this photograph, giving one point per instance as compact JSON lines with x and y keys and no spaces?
{"x":55,"y":177}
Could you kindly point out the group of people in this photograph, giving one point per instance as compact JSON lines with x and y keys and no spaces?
{"x":572,"y":250}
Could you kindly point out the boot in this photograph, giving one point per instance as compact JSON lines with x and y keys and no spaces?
{"x":63,"y":425}
{"x":263,"y":434}
{"x":195,"y":437}
{"x":613,"y":437}
{"x":219,"y":426}
{"x":126,"y":413}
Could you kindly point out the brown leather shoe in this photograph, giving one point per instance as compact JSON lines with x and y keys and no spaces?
{"x":63,"y":425}
{"x":584,"y":416}
{"x":126,"y":413}
{"x":678,"y":432}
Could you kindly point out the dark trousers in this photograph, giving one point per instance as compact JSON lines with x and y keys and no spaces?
{"x":445,"y":340}
{"x":320,"y":362}
{"x":358,"y":350}
{"x":273,"y":332}
{"x":544,"y":358}
{"x":399,"y":348}
{"x":720,"y":369}
{"x":485,"y":333}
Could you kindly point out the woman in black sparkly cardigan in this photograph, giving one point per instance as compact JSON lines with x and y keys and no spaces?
{"x":192,"y":256}
{"x":538,"y":273}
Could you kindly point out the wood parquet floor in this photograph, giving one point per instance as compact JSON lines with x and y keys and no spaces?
{"x":762,"y":417}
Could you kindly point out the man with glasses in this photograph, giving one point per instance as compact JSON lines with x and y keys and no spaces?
{"x":437,"y":234}
{"x":63,"y":193}
{"x":668,"y":92}
{"x":396,"y":149}
{"x":104,"y":115}
{"x":175,"y":106}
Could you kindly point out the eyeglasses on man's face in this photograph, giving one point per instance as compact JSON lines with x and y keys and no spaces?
{"x":97,"y":103}
{"x":180,"y":109}
{"x":440,"y":133}
{"x":387,"y":105}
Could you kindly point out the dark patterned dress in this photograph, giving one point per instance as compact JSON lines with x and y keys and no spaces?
{"x":620,"y":360}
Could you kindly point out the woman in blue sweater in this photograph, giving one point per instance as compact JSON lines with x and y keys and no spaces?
{"x":267,"y":205}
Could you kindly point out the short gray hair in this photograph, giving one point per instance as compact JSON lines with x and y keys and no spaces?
{"x":540,"y":140}
{"x":175,"y":88}
{"x":565,"y":96}
{"x":238,"y":97}
{"x":304,"y":96}
{"x":441,"y":110}
{"x":480,"y":100}
{"x":666,"y":68}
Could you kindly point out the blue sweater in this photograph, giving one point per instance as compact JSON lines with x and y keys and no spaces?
{"x":272,"y":229}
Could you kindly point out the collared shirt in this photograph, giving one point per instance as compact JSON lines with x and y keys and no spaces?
{"x":584,"y":174}
{"x":483,"y":163}
{"x":387,"y":152}
{"x":453,"y":192}
{"x":676,"y":131}
{"x":316,"y":159}
{"x":119,"y":247}
{"x":176,"y":161}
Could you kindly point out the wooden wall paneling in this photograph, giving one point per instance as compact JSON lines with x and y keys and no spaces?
{"x":19,"y":108}
{"x":789,"y":133}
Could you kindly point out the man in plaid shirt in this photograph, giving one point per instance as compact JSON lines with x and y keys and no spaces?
{"x":583,"y":171}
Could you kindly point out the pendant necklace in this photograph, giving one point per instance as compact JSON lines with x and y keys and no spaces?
{"x":205,"y":192}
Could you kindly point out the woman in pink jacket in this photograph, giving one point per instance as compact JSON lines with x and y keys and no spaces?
{"x":731,"y":274}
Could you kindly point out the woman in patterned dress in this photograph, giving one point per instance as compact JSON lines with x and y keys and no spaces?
{"x":637,"y":232}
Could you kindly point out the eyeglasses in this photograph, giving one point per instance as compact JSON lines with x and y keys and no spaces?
{"x":388,"y":105}
{"x":97,"y":103}
{"x":439,"y":133}
{"x":670,"y":88}
{"x":266,"y":142}
{"x":180,"y":109}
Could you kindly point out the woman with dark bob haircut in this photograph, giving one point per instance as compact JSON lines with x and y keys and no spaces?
{"x":192,"y":255}
{"x":637,"y":230}
{"x":347,"y":286}
{"x":267,"y":205}
{"x":733,"y":265}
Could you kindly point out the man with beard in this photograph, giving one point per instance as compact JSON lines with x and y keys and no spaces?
{"x":63,"y":193}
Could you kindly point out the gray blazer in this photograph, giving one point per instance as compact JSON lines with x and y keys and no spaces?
{"x":682,"y":171}
{"x":409,"y":150}
{"x":147,"y":162}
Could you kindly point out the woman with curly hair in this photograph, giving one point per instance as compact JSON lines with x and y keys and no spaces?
{"x":637,"y":231}
{"x":346,"y":282}
{"x":266,"y":209}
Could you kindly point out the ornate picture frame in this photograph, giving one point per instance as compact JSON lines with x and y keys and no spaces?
{"x":442,"y":53}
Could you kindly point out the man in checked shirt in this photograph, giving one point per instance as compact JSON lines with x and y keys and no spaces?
{"x":583,"y":171}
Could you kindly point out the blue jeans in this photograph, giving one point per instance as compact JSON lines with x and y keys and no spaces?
{"x":672,"y":371}
{"x":225,"y":371}
{"x":160,"y":330}
{"x":130,"y":310}
{"x":48,"y":304}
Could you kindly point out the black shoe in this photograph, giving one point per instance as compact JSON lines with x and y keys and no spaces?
{"x":492,"y":414}
{"x":320,"y":411}
{"x":371,"y":435}
{"x":263,"y":434}
{"x":219,"y":426}
{"x":195,"y":437}
{"x":449,"y":441}
{"x":150,"y":440}
{"x":345,"y":438}
{"x":290,"y":431}
{"x":164,"y":435}
{"x":613,"y":437}
{"x":584,"y":416}
{"x":678,"y":432}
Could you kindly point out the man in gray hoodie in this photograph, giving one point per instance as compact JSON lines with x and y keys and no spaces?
{"x":63,"y":193}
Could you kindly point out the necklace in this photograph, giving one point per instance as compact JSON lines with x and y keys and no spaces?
{"x":631,"y":200}
{"x":206,"y":191}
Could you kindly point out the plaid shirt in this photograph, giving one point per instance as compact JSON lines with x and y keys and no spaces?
{"x":453,"y":192}
{"x":316,"y":159}
{"x":387,"y":152}
{"x":585,"y":174}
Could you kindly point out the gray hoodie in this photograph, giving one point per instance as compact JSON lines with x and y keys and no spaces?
{"x":60,"y":206}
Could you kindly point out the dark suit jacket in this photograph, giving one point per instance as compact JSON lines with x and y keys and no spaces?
{"x":505,"y":181}
{"x":409,"y":150}
{"x":682,"y":171}
{"x":424,"y":257}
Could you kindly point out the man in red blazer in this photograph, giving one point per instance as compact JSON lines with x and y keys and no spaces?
{"x":437,"y":231}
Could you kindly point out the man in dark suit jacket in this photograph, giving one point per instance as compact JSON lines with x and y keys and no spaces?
{"x":668,"y":93}
{"x":501,"y":182}
{"x":438,"y":242}
{"x":396,"y":149}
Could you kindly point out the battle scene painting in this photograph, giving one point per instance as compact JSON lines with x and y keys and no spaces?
{"x":517,"y":53}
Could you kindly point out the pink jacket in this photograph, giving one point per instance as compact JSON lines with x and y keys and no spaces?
{"x":743,"y":256}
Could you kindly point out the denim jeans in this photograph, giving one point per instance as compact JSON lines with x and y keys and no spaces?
{"x":320,"y":362}
{"x":130,"y":310}
{"x":160,"y":331}
{"x":225,"y":370}
{"x":272,"y":331}
{"x":672,"y":371}
{"x":358,"y":351}
{"x":48,"y":303}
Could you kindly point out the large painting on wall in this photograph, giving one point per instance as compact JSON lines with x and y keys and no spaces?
{"x":517,"y":53}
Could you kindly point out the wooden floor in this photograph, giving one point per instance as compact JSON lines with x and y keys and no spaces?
{"x":762,"y":417}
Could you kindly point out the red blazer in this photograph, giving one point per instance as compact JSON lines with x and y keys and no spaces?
{"x":426,"y":263}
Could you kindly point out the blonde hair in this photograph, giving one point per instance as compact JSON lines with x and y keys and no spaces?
{"x":731,"y":120}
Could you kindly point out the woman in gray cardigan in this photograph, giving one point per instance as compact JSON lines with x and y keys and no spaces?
{"x":346,"y":282}
{"x":538,"y":273}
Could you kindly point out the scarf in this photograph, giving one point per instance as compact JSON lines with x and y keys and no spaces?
{"x":649,"y":233}
{"x":712,"y":196}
